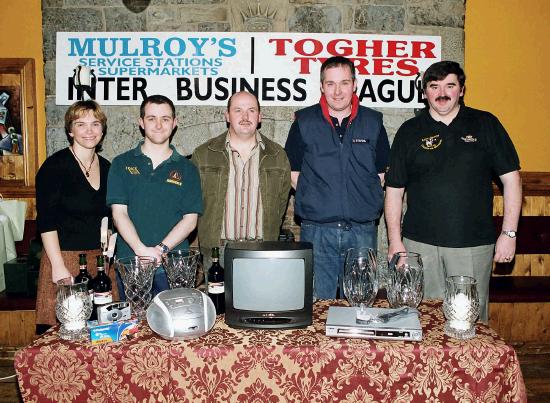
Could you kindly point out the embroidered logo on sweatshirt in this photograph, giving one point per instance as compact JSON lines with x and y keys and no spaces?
{"x":133,"y":170}
{"x":431,"y":143}
{"x":175,"y":178}
{"x":469,"y":139}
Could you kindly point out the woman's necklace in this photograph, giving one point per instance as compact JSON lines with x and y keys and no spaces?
{"x":86,"y":171}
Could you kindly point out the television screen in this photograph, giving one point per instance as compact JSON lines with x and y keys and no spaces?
{"x":278,"y":285}
{"x":268,"y":285}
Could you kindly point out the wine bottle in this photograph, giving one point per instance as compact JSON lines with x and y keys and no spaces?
{"x":216,"y":290}
{"x":103,"y":290}
{"x":83,"y":273}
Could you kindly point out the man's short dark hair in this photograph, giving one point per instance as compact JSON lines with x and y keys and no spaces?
{"x":438,"y":71}
{"x":159,"y":100}
{"x":337,"y":61}
{"x":239,"y":92}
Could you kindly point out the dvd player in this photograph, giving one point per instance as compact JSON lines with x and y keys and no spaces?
{"x":342,"y":322}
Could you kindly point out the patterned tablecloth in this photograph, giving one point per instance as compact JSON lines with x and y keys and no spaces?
{"x":275,"y":366}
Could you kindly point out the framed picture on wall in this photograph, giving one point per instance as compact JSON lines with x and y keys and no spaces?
{"x":18,"y":130}
{"x":11,"y":139}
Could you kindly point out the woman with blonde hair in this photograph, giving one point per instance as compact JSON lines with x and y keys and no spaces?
{"x":71,"y":187}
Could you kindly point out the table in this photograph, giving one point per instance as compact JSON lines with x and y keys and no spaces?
{"x":275,"y":366}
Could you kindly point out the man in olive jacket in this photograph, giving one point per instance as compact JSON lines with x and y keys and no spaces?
{"x":245,"y":179}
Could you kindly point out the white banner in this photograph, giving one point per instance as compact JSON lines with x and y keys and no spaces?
{"x":200,"y":68}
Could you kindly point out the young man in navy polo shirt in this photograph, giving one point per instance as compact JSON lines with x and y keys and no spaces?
{"x":445,"y":158}
{"x":154,"y":192}
{"x":338,"y":152}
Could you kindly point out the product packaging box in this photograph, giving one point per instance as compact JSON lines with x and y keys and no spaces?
{"x":110,"y":332}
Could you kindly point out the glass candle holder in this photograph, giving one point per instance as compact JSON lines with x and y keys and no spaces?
{"x":461,"y":307}
{"x":360,"y":280}
{"x":73,"y":308}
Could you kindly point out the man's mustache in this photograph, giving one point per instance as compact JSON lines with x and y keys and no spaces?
{"x":443,"y":98}
{"x":242,"y":122}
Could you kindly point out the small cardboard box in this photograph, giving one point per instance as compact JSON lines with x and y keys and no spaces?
{"x":111,"y":332}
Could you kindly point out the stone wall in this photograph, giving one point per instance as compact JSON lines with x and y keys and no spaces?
{"x":444,"y":18}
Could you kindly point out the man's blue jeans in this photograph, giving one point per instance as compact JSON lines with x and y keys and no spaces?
{"x":330,"y":243}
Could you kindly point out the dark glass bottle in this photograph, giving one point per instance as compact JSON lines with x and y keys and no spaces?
{"x":83,"y":273}
{"x":103,"y":290}
{"x":216,"y":290}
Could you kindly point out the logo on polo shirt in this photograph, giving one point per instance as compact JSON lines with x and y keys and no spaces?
{"x":469,"y":139}
{"x":432,"y":142}
{"x":360,"y":140}
{"x":133,"y":170}
{"x":174,"y":177}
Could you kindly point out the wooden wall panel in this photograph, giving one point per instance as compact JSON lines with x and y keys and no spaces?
{"x":18,"y":328}
{"x":533,"y":205}
{"x":526,"y":322}
{"x":521,"y":322}
{"x":540,"y":265}
{"x":31,"y":208}
{"x":12,"y":167}
{"x":522,"y":266}
{"x":498,"y":209}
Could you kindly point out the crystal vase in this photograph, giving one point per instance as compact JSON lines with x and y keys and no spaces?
{"x":360,"y":280}
{"x":181,"y":268}
{"x":405,"y":280}
{"x":137,"y":274}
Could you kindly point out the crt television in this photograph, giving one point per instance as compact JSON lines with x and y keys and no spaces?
{"x":268,"y":285}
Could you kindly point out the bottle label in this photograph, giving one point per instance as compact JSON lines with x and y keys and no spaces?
{"x":216,"y":288}
{"x":101,"y":298}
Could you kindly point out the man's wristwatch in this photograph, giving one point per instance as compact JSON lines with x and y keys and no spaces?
{"x":163,"y":247}
{"x":511,"y":234}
